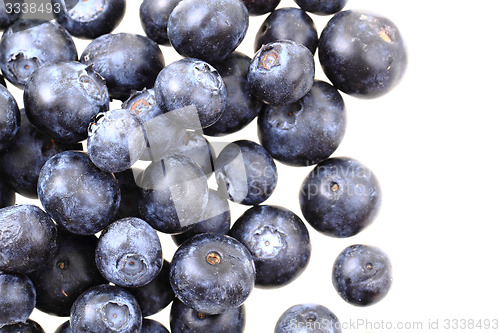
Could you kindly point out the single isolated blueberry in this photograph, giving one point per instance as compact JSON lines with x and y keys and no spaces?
{"x":321,"y":7}
{"x":260,"y":7}
{"x":28,"y":44}
{"x":61,"y":98}
{"x":281,"y":72}
{"x":207,"y":29}
{"x":105,"y":309}
{"x":183,"y":319}
{"x":212,"y":273}
{"x":27,"y":238}
{"x":79,"y":196}
{"x":154,"y":15}
{"x":10,"y":118}
{"x":28,"y":326}
{"x":278,"y":241}
{"x":340,"y":197}
{"x":308,"y":318}
{"x":18,"y":299}
{"x":362,"y":275}
{"x":129,"y":253}
{"x":362,"y":54}
{"x":191,"y":92}
{"x":306,"y":132}
{"x":89,"y":18}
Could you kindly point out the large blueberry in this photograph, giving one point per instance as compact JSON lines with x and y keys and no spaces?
{"x":17,"y":300}
{"x":212,"y":273}
{"x":340,"y":197}
{"x":129,"y":253}
{"x":308,"y":318}
{"x":362,"y":54}
{"x":77,"y":195}
{"x":362,"y":274}
{"x":305,"y":132}
{"x":9,"y":118}
{"x":207,"y":29}
{"x":27,"y":238}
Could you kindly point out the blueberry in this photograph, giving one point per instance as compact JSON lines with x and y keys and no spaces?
{"x":305,"y":132}
{"x":362,"y":54}
{"x":183,"y":319}
{"x":321,"y":7}
{"x":27,"y":238}
{"x":217,"y":218}
{"x":126,"y":61}
{"x":61,"y":98}
{"x":260,"y":7}
{"x":7,"y":195}
{"x":246,"y":172}
{"x":308,"y":318}
{"x":194,"y":145}
{"x":116,"y":140}
{"x":288,"y":24}
{"x":105,"y":309}
{"x":174,"y":194}
{"x":278,"y":241}
{"x":9,"y":118}
{"x":70,"y":272}
{"x":281,"y":72}
{"x":20,"y":164}
{"x":212,"y":273}
{"x":362,"y":275}
{"x":154,"y":15}
{"x":89,"y":19}
{"x":207,"y":29}
{"x":152,"y":326}
{"x":18,"y":298}
{"x":77,"y":195}
{"x":157,"y":294}
{"x":29,"y":326}
{"x":129,"y":253}
{"x":11,"y":16}
{"x":130,"y":193}
{"x":340,"y":197}
{"x":241,"y":107}
{"x":192,"y":92}
{"x":28,"y":44}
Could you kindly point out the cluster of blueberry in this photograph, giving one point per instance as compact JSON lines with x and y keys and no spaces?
{"x":78,"y":157}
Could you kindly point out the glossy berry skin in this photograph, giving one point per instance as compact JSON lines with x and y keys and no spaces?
{"x":157,"y":294}
{"x":260,"y":7}
{"x":321,"y":7}
{"x":246,"y":172}
{"x":212,"y":273}
{"x":278,"y":241}
{"x":7,"y":195}
{"x":77,"y":195}
{"x":116,"y":140}
{"x":217,"y":218}
{"x":130,"y":193}
{"x":154,"y":15}
{"x":340,"y":197}
{"x":174,"y":194}
{"x":305,"y":132}
{"x":362,"y":275}
{"x":27,"y":240}
{"x":28,"y":44}
{"x":362,"y":54}
{"x":152,"y":326}
{"x":10,"y":118}
{"x":18,"y":298}
{"x":183,"y":319}
{"x":21,"y":162}
{"x":288,"y":24}
{"x":308,"y":318}
{"x":70,"y":272}
{"x":281,"y":72}
{"x":106,"y":309}
{"x":29,"y":326}
{"x":129,"y":253}
{"x":241,"y":107}
{"x":207,"y":29}
{"x":192,"y":92}
{"x":126,"y":61}
{"x":89,"y":19}
{"x":6,"y":19}
{"x":61,"y":98}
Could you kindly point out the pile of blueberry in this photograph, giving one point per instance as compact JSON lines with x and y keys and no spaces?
{"x":91,"y":250}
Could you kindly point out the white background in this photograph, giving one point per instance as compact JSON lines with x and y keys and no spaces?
{"x":433,"y":144}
